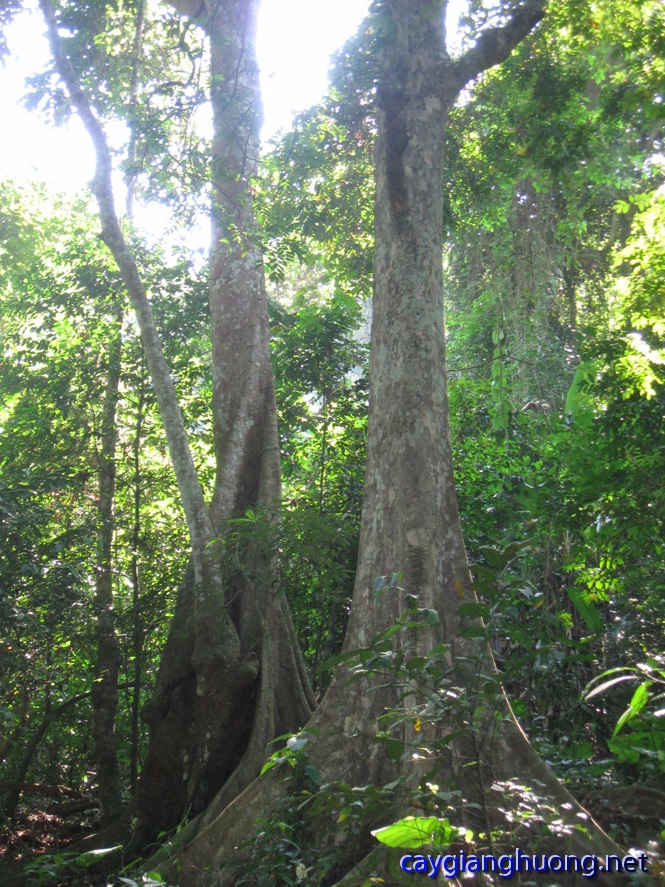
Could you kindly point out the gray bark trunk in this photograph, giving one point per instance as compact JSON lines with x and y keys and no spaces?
{"x":196,"y":512}
{"x":268,"y":692}
{"x":410,"y":520}
{"x":231,"y":674}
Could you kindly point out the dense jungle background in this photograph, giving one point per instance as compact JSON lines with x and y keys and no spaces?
{"x":554,"y":281}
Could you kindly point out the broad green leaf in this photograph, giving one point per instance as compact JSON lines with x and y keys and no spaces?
{"x":473,"y":609}
{"x":474,"y":631}
{"x":587,"y":610}
{"x":639,"y":700}
{"x":606,"y":686}
{"x":413,"y":832}
{"x":494,"y":557}
{"x":395,"y":748}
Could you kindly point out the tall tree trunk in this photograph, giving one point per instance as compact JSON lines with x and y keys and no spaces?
{"x":232,"y":676}
{"x":410,"y":519}
{"x":191,"y":493}
{"x":105,"y":685}
{"x":223,"y":735}
{"x":211,"y":656}
{"x":244,"y":408}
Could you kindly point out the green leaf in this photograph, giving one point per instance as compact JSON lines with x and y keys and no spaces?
{"x":606,"y":686}
{"x":584,"y":374}
{"x":587,"y":610}
{"x":273,"y":762}
{"x":90,"y":857}
{"x":415,"y":663}
{"x":637,"y":703}
{"x":473,"y":610}
{"x":630,"y":747}
{"x":411,"y":602}
{"x":474,"y":631}
{"x":313,"y":773}
{"x":438,"y":650}
{"x":510,"y":551}
{"x":349,"y":655}
{"x":395,"y":749}
{"x":379,"y":585}
{"x":494,"y":557}
{"x":413,"y":832}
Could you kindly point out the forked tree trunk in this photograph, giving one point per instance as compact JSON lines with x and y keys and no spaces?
{"x":410,"y":520}
{"x":207,"y":747}
{"x":231,"y":676}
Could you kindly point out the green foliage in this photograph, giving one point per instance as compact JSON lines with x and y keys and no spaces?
{"x":643,"y":743}
{"x":315,"y":189}
{"x":146,"y":71}
{"x":277,"y":856}
{"x":322,"y":407}
{"x":413,"y":832}
{"x":447,"y":707}
{"x":275,"y":853}
{"x":291,"y":845}
{"x":53,"y":868}
{"x":295,"y":755}
{"x":49,"y":416}
{"x":554,"y":260}
{"x":555,"y":225}
{"x":60,"y":302}
{"x":639,"y":301}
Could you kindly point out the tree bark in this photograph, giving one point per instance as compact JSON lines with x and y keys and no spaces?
{"x":231,"y":676}
{"x":410,"y":519}
{"x":191,"y":494}
{"x":268,"y":692}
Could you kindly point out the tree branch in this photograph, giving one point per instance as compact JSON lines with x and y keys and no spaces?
{"x":495,"y":45}
{"x":196,"y":512}
{"x":216,"y":637}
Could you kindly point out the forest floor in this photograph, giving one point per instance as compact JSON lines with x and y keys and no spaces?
{"x":41,"y":838}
